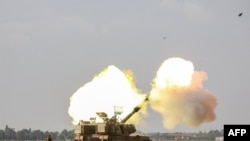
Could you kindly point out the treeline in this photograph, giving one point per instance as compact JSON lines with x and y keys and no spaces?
{"x":28,"y":134}
{"x":210,"y":135}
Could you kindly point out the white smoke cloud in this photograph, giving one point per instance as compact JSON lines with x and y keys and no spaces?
{"x":108,"y":89}
{"x":177,"y":94}
{"x":190,"y":105}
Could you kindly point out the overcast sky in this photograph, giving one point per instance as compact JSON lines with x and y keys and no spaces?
{"x":49,"y":49}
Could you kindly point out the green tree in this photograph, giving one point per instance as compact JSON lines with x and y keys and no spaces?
{"x":71,"y":134}
{"x":23,"y":134}
{"x":2,"y":137}
{"x":10,"y":133}
{"x":65,"y":134}
{"x":37,"y":135}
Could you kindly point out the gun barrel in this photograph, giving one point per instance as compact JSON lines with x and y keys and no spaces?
{"x":135,"y":110}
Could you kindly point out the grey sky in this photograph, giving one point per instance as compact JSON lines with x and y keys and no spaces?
{"x":48,"y":49}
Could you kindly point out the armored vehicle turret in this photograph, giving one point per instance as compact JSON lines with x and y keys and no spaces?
{"x":108,"y":130}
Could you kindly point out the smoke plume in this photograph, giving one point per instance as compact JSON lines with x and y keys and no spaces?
{"x":178,"y":95}
{"x":110,"y":89}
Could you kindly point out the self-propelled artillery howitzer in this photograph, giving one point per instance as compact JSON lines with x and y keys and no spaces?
{"x":110,"y":129}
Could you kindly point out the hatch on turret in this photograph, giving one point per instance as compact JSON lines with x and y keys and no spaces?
{"x":103,"y":116}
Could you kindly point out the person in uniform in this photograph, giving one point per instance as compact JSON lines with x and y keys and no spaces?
{"x":49,"y":138}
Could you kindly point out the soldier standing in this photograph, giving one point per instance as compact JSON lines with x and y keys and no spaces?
{"x":49,"y":138}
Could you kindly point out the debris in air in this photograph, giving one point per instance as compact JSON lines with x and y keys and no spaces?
{"x":240,"y":14}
